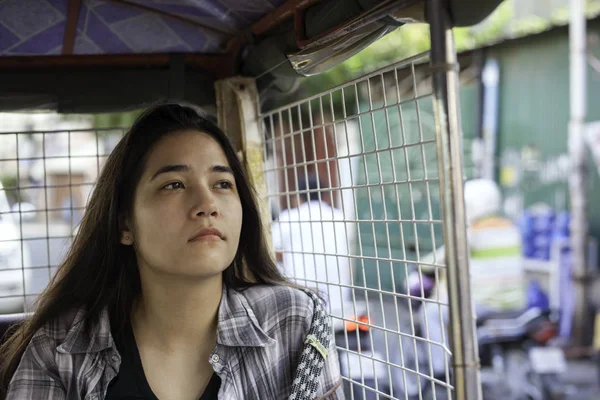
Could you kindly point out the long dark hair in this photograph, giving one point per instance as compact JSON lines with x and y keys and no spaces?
{"x":99,"y":272}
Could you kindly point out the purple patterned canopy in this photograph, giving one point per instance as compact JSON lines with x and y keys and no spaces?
{"x":37,"y":27}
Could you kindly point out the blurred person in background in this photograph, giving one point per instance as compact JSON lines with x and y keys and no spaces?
{"x":311,"y":245}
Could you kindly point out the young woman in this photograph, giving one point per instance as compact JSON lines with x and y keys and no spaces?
{"x":169,"y":291}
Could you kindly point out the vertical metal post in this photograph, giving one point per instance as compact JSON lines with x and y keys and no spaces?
{"x":444,"y":65}
{"x":491,"y":97}
{"x":238,"y":114}
{"x":578,"y":176}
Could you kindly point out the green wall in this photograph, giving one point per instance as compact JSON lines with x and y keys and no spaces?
{"x":533,"y":113}
{"x":404,"y":188}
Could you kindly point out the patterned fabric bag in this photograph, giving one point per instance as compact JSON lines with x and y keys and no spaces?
{"x":313,"y":355}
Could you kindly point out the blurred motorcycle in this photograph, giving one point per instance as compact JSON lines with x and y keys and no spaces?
{"x":515,"y":348}
{"x":516,"y":353}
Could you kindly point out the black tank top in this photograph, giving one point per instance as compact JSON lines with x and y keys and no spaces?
{"x":131,"y":383}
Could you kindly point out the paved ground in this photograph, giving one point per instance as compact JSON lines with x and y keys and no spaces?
{"x":583,"y":380}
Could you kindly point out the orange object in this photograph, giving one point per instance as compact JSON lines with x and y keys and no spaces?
{"x":546,"y":332}
{"x":361,"y":323}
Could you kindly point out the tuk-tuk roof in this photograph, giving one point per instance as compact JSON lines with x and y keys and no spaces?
{"x":113,"y":55}
{"x":64,"y":27}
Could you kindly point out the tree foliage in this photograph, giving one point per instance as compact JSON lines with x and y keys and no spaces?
{"x":115,"y":120}
{"x":413,"y":39}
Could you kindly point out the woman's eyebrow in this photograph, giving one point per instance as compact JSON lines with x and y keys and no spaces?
{"x":171,"y":168}
{"x":186,"y":168}
{"x":222,"y":168}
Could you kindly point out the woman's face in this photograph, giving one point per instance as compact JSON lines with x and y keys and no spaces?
{"x":187,"y":214}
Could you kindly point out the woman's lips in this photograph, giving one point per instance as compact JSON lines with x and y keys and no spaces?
{"x":207,"y":234}
{"x":207,"y":238}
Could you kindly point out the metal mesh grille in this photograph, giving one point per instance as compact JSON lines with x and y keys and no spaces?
{"x":53,"y":171}
{"x":353,"y":184}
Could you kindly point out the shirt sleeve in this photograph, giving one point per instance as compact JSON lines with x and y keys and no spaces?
{"x":36,"y":376}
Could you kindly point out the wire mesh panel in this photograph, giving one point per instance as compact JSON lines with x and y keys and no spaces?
{"x":46,"y":178}
{"x":354,"y":188}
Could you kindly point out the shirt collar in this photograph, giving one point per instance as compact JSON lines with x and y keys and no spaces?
{"x":238,"y":326}
{"x":78,"y":340}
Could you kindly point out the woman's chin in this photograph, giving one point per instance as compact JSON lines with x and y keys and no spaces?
{"x":203,"y":270}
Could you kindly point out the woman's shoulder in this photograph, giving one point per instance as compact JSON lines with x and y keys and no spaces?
{"x":45,"y":343}
{"x":67,"y":331}
{"x":58,"y":328}
{"x":280,"y":301}
{"x":282,"y":295}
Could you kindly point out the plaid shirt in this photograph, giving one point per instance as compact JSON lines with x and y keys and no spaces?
{"x":260,"y":337}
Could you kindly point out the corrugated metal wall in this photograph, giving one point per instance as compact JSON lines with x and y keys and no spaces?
{"x":534,"y":117}
{"x":532,"y":136}
{"x":413,"y":203}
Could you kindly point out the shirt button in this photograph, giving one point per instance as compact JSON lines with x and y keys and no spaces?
{"x":215,"y":358}
{"x":115,"y":358}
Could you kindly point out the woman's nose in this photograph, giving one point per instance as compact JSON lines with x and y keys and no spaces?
{"x":204,"y":204}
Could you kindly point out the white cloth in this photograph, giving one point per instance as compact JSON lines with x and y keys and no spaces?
{"x":314,"y":242}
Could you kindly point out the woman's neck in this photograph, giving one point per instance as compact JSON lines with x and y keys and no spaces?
{"x":177,"y":314}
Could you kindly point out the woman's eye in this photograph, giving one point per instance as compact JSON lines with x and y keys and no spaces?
{"x":224,"y":185}
{"x":174,"y":186}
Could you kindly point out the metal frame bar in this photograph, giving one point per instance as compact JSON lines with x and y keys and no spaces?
{"x":215,"y":63}
{"x":578,"y":178}
{"x":71,"y":26}
{"x":238,"y":113}
{"x":445,"y":67}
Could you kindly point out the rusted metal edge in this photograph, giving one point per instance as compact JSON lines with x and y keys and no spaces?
{"x":71,"y":26}
{"x":217,"y":63}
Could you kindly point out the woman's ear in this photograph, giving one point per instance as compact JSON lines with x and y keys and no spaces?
{"x":126,"y":238}
{"x":126,"y":233}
